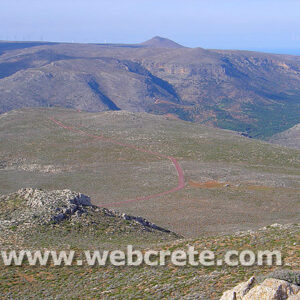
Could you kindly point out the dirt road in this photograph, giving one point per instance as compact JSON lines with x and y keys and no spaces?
{"x":180,"y":174}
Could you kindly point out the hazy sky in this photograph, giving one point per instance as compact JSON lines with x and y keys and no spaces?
{"x":239,"y":24}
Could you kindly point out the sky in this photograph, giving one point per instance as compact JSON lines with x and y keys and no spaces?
{"x":264,"y":25}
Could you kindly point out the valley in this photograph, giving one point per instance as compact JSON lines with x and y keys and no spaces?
{"x":251,"y":92}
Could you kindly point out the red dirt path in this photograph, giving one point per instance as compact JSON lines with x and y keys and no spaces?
{"x":181,"y":181}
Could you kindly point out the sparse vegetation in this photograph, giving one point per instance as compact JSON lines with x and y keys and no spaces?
{"x":232,"y":184}
{"x":144,"y":281}
{"x":257,"y":93}
{"x":263,"y":179}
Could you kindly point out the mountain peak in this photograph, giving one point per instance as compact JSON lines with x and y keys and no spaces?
{"x":160,"y":42}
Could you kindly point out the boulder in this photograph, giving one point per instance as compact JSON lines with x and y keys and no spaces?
{"x":239,"y":291}
{"x":270,"y":289}
{"x":35,"y":206}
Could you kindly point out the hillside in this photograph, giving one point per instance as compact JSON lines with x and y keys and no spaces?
{"x":129,"y":164}
{"x":106,"y":282}
{"x":289,"y":138}
{"x":132,"y":162}
{"x":252,"y":92}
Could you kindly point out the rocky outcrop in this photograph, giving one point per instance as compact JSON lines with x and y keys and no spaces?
{"x":143,"y":222}
{"x":31,"y":207}
{"x":34,"y":206}
{"x":273,"y":289}
{"x":239,"y":291}
{"x":269,"y":289}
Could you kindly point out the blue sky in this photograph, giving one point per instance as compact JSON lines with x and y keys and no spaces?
{"x":267,"y":25}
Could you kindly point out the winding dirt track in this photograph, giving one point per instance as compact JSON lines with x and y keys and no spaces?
{"x":181,"y":181}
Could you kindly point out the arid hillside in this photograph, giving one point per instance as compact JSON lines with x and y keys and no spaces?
{"x":186,"y":177}
{"x":251,"y":92}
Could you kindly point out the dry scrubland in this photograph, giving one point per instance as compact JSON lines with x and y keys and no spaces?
{"x":249,"y":183}
{"x":168,"y":282}
{"x":232,"y":183}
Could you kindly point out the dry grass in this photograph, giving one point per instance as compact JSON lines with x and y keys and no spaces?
{"x":264,"y":180}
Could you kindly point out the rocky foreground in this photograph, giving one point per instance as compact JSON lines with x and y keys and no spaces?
{"x":62,"y":219}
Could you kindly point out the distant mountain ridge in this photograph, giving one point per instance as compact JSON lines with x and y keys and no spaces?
{"x":251,"y":92}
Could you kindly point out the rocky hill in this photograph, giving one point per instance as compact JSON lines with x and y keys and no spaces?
{"x":28,"y":208}
{"x":252,"y":92}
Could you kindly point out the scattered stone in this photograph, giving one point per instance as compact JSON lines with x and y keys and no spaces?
{"x":33,"y":167}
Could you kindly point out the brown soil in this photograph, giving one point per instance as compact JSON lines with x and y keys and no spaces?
{"x":207,"y":184}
